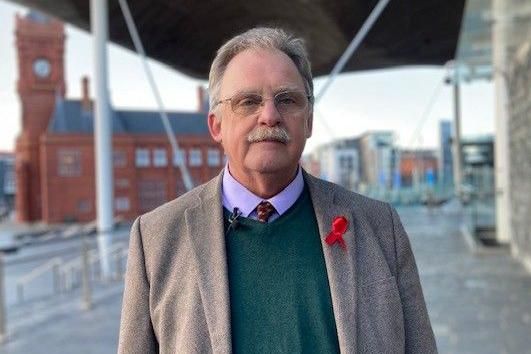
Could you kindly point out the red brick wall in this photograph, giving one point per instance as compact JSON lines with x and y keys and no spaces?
{"x":65,"y":197}
{"x":28,"y":198}
{"x":34,"y":41}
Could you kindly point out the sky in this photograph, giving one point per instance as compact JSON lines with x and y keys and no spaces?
{"x":409,"y":101}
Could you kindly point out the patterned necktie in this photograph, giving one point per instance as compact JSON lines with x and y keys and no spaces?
{"x":264,"y":210}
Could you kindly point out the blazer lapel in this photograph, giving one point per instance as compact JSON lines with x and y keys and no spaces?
{"x":340,"y":263}
{"x":205,"y":229}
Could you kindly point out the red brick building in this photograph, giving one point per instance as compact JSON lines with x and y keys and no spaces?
{"x":55,"y":151}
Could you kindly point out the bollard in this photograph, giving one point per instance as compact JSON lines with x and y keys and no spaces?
{"x":67,"y":281}
{"x":73,"y":283}
{"x":79,"y":277}
{"x":56,"y":279}
{"x":63,"y":282}
{"x":3,"y":334}
{"x":3,"y":325}
{"x":118,"y":270}
{"x":87,"y":298}
{"x":20,"y":292}
{"x":93,"y":271}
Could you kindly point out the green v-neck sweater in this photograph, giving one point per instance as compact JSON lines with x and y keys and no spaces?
{"x":279,"y":294}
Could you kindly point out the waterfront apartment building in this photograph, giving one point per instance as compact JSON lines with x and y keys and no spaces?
{"x":377,"y":158}
{"x":338,"y":162}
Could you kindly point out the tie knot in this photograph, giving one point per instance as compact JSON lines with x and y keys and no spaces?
{"x":264,"y":210}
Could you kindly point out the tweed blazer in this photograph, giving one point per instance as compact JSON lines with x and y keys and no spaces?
{"x":176,"y":297}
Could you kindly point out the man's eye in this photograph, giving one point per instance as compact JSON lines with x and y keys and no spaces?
{"x":286,"y":99}
{"x":249,"y":101}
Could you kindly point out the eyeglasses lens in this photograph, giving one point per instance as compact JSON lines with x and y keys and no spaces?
{"x":287,"y":103}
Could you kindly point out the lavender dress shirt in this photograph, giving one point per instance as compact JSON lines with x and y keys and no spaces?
{"x":235,"y":195}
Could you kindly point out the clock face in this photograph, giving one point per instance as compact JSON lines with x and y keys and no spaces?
{"x":41,"y":67}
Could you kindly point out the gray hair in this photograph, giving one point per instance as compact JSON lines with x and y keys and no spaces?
{"x":260,"y":38}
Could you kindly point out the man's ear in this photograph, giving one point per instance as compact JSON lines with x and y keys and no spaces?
{"x":309,"y":125}
{"x":214,"y":126}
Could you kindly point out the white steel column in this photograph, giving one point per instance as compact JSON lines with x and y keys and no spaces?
{"x":501,"y":144}
{"x":457,"y":149}
{"x":102,"y":134}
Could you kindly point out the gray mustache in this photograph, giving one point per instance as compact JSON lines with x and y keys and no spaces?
{"x":263,"y":134}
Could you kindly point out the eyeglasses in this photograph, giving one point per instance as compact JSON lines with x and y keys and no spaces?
{"x":286,"y":102}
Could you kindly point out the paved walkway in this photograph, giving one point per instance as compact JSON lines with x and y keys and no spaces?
{"x":477,"y":304}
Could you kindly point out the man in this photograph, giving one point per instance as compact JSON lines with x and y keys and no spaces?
{"x":265,"y":258}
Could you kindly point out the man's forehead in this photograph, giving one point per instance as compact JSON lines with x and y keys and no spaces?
{"x":261,"y":56}
{"x":249,"y":70}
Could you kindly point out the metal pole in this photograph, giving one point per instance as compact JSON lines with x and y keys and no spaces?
{"x":356,"y":41}
{"x":102,"y":133}
{"x":85,"y":276}
{"x":3,"y":329}
{"x":501,"y":146}
{"x":365,"y":28}
{"x":458,"y":163}
{"x":187,"y":179}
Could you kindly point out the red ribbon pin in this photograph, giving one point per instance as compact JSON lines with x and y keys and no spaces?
{"x":339,"y":226}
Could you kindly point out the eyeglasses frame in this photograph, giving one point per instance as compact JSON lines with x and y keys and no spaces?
{"x":264,"y":99}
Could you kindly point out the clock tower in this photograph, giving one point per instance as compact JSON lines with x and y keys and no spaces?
{"x":40,"y":48}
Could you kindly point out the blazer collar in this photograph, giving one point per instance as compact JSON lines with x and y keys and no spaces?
{"x":205,"y":228}
{"x":340,"y":263}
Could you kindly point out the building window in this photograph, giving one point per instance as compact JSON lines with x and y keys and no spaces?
{"x":194,"y":158}
{"x":178,"y":157}
{"x":159,"y":158}
{"x":121,"y":183}
{"x":213,"y":157}
{"x":346,"y":162}
{"x":119,"y":158}
{"x":151,"y":194}
{"x":84,"y":206}
{"x":121,"y":204}
{"x":9,"y":182}
{"x":69,"y":163}
{"x":142,"y":157}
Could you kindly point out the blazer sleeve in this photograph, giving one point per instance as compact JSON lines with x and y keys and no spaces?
{"x":136,"y":329}
{"x":418,"y":332}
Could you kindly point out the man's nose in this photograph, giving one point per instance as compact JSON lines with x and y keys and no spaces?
{"x":269,"y":114}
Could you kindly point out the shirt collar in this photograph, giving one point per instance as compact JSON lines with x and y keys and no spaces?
{"x":235,"y":195}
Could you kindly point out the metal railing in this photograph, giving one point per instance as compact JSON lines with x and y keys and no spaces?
{"x":66,"y":262}
{"x":68,"y":275}
{"x":51,"y":265}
